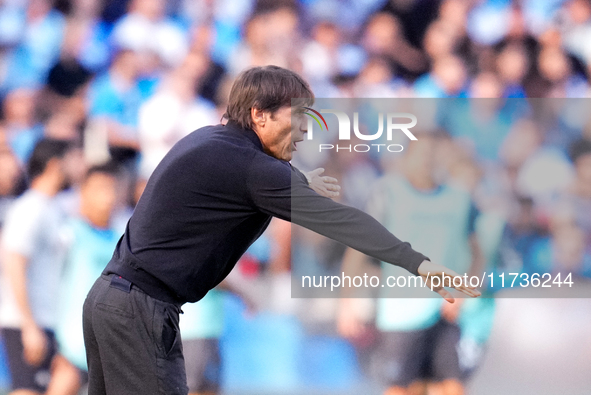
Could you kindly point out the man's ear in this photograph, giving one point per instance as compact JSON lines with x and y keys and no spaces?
{"x":258,"y":117}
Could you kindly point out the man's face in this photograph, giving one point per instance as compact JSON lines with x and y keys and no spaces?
{"x":280,"y":132}
{"x":419,"y":159}
{"x":98,"y":196}
{"x":56,"y":168}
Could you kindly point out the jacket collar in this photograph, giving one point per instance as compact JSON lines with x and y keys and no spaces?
{"x":248,"y":133}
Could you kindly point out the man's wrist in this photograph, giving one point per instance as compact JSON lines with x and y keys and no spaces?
{"x":422,"y":272}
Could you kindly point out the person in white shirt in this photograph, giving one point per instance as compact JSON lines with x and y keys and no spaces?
{"x":32,"y":254}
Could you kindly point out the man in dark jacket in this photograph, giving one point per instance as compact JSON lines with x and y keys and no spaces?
{"x":212,"y":196}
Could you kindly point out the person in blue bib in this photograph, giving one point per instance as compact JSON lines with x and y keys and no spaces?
{"x":201,"y":327}
{"x":419,"y":334}
{"x":91,"y":241}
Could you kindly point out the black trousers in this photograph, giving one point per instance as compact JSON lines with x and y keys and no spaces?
{"x":133,"y":343}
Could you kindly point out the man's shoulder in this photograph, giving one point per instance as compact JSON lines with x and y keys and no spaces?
{"x":221,"y":142}
{"x":29,"y":203}
{"x":219,"y":134}
{"x":214,"y":151}
{"x":263,"y":169}
{"x":26,"y":216}
{"x":262,"y":161}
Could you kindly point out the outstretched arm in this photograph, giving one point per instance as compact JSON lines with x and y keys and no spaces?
{"x":281,"y":190}
{"x":349,"y":226}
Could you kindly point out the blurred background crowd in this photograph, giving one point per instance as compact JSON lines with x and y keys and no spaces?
{"x":122,"y":81}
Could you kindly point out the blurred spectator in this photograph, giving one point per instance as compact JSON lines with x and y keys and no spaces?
{"x":91,"y":239}
{"x":575,"y":20}
{"x":545,"y":174}
{"x":441,"y":39}
{"x":328,"y":54}
{"x":447,"y":79}
{"x":146,"y":29}
{"x":419,"y":336}
{"x":513,"y":65}
{"x":32,"y":257}
{"x":259,"y":47}
{"x":210,"y":86}
{"x":62,"y":126}
{"x":227,"y":19}
{"x":69,"y":74}
{"x":455,"y":14}
{"x":414,"y":16}
{"x":88,"y":38}
{"x":486,"y":85}
{"x":556,"y":69}
{"x":563,"y":252}
{"x":35,"y":30}
{"x":20,"y":124}
{"x":489,"y":21}
{"x":571,"y":254}
{"x":376,"y":80}
{"x":201,"y":327}
{"x":320,"y":56}
{"x":9,"y":180}
{"x":383,"y":36}
{"x":174,"y":111}
{"x":579,"y":197}
{"x":521,"y":143}
{"x":114,"y":98}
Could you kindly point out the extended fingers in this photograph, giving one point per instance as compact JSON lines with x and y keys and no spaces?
{"x":316,"y":172}
{"x":473,"y":292}
{"x":331,"y":186}
{"x":470,"y":291}
{"x":450,"y":274}
{"x":445,"y":294}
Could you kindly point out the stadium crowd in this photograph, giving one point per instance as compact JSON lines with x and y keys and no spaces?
{"x":122,"y":81}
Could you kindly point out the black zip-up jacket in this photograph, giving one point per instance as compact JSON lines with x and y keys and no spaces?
{"x":211,"y":197}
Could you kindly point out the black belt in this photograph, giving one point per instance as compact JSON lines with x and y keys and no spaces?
{"x":126,"y":286}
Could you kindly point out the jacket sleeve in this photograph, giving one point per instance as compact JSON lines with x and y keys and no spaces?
{"x":282,"y":191}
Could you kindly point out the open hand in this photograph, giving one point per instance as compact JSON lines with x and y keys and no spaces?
{"x":323,"y":185}
{"x":435,"y":276}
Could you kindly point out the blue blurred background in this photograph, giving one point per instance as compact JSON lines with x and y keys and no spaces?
{"x":125,"y":79}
